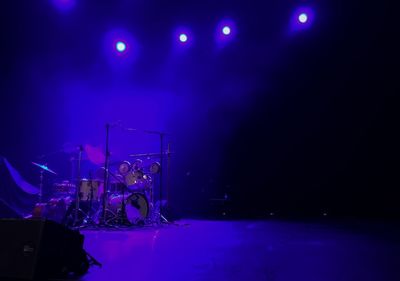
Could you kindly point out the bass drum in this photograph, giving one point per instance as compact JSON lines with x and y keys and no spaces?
{"x":137,"y":206}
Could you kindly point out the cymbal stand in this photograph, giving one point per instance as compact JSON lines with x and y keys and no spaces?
{"x":154,"y":217}
{"x":168,"y":172}
{"x":103,"y":217}
{"x":88,"y":220}
{"x":161,"y":217}
{"x":159,"y":213}
{"x":75,"y":222}
{"x":41,"y":186}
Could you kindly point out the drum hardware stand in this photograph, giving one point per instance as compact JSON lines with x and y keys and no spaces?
{"x":42,"y":169}
{"x":121,"y":217}
{"x":103,"y":222}
{"x":88,"y":220}
{"x":75,"y":222}
{"x":92,"y":260}
{"x":41,"y":186}
{"x":161,"y":219}
{"x":168,"y":171}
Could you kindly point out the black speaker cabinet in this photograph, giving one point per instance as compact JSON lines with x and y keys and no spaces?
{"x":33,"y":249}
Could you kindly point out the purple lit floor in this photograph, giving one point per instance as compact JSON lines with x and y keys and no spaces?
{"x":247,"y":250}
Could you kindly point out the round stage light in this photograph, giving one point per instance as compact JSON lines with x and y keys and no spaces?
{"x":226,"y":30}
{"x":120,"y":46}
{"x":183,"y":38}
{"x":303,"y":18}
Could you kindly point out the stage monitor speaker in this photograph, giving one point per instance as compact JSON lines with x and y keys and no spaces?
{"x":39,"y":249}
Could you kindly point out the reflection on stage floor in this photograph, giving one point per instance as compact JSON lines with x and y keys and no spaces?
{"x":246,"y":250}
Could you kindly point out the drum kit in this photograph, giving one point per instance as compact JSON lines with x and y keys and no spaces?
{"x":129,"y":198}
{"x":120,"y":194}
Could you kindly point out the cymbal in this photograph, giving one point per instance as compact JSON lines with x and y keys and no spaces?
{"x":45,"y":168}
{"x":150,"y":155}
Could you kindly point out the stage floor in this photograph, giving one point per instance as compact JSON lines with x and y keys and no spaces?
{"x":247,"y":250}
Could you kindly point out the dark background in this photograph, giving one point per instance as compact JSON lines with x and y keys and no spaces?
{"x":294,"y":123}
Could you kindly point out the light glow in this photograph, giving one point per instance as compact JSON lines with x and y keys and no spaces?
{"x":183,"y":38}
{"x":226,"y":30}
{"x":120,"y":46}
{"x":303,"y":18}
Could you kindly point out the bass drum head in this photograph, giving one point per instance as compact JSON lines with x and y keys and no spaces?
{"x":137,"y":207}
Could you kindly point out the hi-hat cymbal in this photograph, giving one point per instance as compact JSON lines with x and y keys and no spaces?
{"x":45,"y":168}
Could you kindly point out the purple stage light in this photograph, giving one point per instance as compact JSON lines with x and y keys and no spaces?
{"x":120,"y":47}
{"x":225,"y":32}
{"x":183,"y":38}
{"x":302,"y":18}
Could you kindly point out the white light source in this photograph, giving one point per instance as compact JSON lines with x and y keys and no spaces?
{"x":226,"y":30}
{"x":303,"y":18}
{"x":183,"y":38}
{"x":121,"y":46}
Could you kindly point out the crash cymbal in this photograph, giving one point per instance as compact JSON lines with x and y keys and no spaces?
{"x":45,"y":168}
{"x":145,"y":155}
